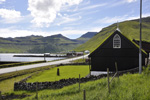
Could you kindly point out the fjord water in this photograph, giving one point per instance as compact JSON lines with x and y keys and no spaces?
{"x":8,"y":57}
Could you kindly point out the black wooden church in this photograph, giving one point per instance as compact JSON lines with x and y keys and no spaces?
{"x":116,"y":48}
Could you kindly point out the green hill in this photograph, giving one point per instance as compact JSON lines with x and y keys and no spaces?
{"x":39,"y":44}
{"x":85,"y":37}
{"x":128,"y":28}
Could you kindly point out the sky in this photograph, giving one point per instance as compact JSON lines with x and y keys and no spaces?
{"x":71,"y":18}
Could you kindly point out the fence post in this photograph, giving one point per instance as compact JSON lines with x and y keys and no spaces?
{"x":84,"y":95}
{"x":108,"y":79}
{"x":0,"y":96}
{"x":36,"y":91}
{"x":79,"y":82}
{"x":58,"y":72}
{"x":117,"y":70}
{"x":90,"y":67}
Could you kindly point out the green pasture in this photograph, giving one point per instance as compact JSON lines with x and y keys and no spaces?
{"x":128,"y":87}
{"x":69,"y":71}
{"x":8,"y":84}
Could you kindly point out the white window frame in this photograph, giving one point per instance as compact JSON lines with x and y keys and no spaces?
{"x":116,"y":41}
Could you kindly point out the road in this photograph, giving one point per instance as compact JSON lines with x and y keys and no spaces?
{"x":12,"y":69}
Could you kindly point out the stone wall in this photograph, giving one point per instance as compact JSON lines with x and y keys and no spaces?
{"x":53,"y":85}
{"x":23,"y":85}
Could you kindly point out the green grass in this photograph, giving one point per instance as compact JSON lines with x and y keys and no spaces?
{"x":79,"y":61}
{"x":8,"y":85}
{"x":20,"y":64}
{"x":70,"y":71}
{"x":23,"y":72}
{"x":128,"y":87}
{"x":8,"y":79}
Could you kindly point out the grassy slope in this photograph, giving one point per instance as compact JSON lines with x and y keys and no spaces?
{"x":71,"y":72}
{"x":128,"y":87}
{"x":8,"y":85}
{"x":128,"y":28}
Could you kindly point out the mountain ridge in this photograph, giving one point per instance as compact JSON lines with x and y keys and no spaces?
{"x":38,"y":44}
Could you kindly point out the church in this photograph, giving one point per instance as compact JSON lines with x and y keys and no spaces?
{"x":117,"y":48}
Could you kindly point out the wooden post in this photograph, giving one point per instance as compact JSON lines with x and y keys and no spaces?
{"x":117,"y":69}
{"x":90,"y":65}
{"x":58,"y":72}
{"x":36,"y":91}
{"x":108,"y":79}
{"x":79,"y":82}
{"x":84,"y":95}
{"x":89,"y":69}
{"x":0,"y":96}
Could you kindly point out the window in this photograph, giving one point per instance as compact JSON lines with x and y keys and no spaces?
{"x":116,"y":41}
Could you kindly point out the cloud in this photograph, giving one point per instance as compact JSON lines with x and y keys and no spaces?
{"x":67,"y":19}
{"x":71,"y":33}
{"x":111,"y":20}
{"x":10,"y":16}
{"x":10,"y":32}
{"x":6,"y":32}
{"x":130,"y":1}
{"x":120,"y":2}
{"x":44,"y":11}
{"x":1,"y":1}
{"x":93,"y":6}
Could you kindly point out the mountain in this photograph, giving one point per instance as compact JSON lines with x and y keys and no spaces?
{"x":38,"y":44}
{"x":88,"y":35}
{"x":129,"y":28}
{"x":85,"y":37}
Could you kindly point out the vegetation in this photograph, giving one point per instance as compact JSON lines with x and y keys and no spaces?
{"x":129,"y":28}
{"x":128,"y":87}
{"x":7,"y":86}
{"x":23,"y":72}
{"x":87,"y":36}
{"x":70,"y":71}
{"x":79,"y":61}
{"x":40,"y":44}
{"x":19,"y":64}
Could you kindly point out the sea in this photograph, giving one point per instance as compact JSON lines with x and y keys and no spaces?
{"x":9,"y":57}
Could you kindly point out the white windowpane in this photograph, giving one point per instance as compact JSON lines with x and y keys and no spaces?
{"x":116,"y":41}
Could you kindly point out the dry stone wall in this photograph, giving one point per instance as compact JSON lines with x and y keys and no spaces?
{"x":23,"y":85}
{"x":53,"y":85}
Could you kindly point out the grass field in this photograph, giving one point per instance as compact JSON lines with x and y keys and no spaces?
{"x":128,"y":87}
{"x":8,"y":85}
{"x":70,"y":71}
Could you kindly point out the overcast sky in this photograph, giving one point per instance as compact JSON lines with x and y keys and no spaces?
{"x":71,"y":18}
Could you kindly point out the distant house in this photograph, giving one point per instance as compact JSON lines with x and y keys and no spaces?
{"x":116,"y":48}
{"x":87,"y":51}
{"x":73,"y":53}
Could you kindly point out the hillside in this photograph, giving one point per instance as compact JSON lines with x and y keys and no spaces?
{"x":127,"y":87}
{"x":39,"y":44}
{"x":128,"y":28}
{"x":87,"y":36}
